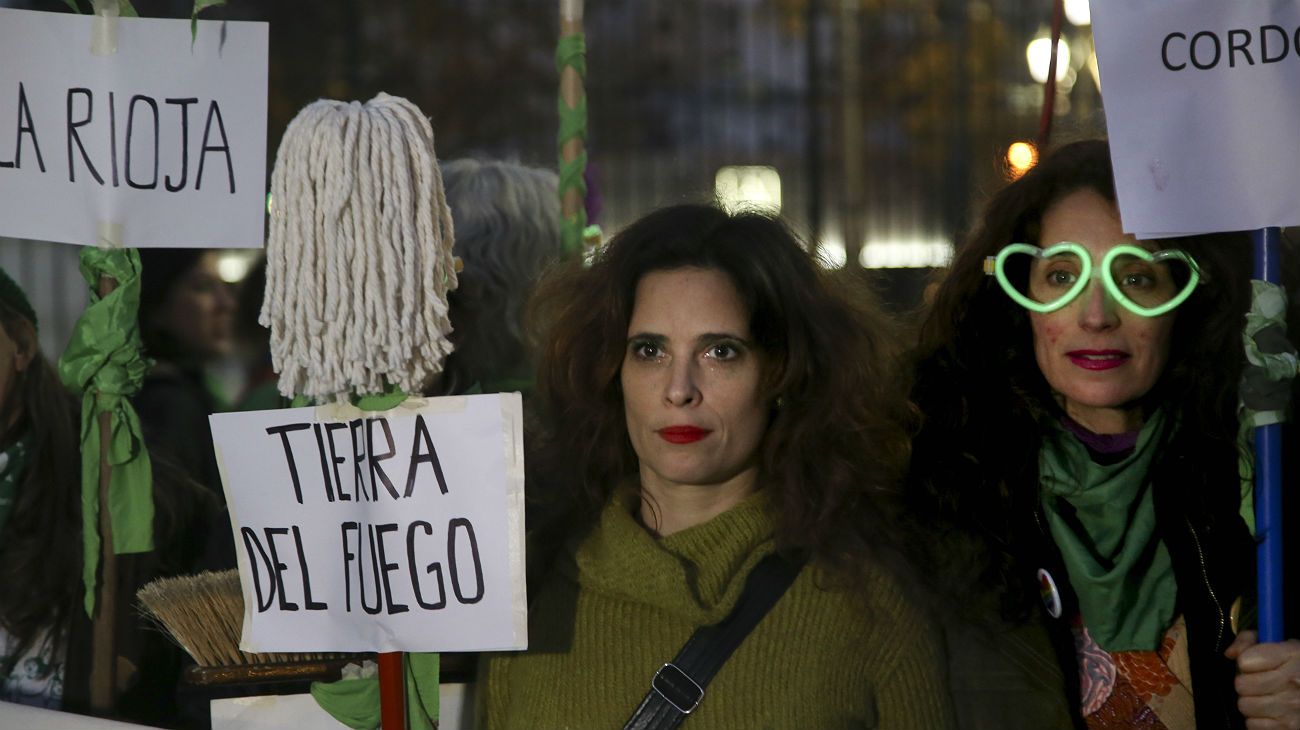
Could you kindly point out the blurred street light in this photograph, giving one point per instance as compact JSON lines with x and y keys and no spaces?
{"x":748,"y":186}
{"x":1021,"y":156}
{"x":1077,"y":12}
{"x":1039,"y":56}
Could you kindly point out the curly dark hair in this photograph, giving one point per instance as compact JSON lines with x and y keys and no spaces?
{"x":42,"y":554}
{"x":974,"y":465}
{"x":833,"y":452}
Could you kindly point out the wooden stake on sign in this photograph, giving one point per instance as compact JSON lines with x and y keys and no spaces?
{"x":103,"y":667}
{"x":571,"y":91}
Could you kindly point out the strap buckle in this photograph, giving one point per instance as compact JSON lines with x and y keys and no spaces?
{"x":677,"y":688}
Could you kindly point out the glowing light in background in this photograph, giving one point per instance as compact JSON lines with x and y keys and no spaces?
{"x":233,"y":264}
{"x":1078,"y":12}
{"x":748,"y":186}
{"x":906,"y":254}
{"x":1039,"y":55}
{"x":1021,"y":156}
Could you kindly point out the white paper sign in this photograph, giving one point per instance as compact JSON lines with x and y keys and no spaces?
{"x":400,"y":530}
{"x":22,"y":717}
{"x":1202,"y":105}
{"x":155,"y":145}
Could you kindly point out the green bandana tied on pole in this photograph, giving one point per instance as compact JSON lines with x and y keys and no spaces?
{"x":1272,"y":364}
{"x":354,"y":701}
{"x":104,"y":366}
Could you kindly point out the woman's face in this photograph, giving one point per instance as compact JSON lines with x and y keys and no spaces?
{"x":14,"y":358}
{"x":199,"y":311}
{"x":1098,"y":357}
{"x":690,"y":377}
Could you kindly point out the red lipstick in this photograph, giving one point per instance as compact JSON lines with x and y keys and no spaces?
{"x":683,"y":434}
{"x":1098,"y":359}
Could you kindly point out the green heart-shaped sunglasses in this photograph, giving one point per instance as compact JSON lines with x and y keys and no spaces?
{"x":1145,"y":283}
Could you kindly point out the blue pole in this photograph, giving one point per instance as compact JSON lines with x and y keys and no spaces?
{"x":1268,"y":474}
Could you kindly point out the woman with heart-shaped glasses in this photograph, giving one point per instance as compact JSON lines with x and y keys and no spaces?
{"x":1080,"y":448}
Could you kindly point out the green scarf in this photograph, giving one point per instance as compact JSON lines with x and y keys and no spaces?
{"x":1103,"y":520}
{"x":13,"y":463}
{"x":103,"y":365}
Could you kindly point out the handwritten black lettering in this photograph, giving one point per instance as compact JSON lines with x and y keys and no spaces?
{"x":214,"y":112}
{"x":75,"y":136}
{"x":184,"y":104}
{"x":130,"y":141}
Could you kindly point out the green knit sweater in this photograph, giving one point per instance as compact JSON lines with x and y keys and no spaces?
{"x":622,"y":603}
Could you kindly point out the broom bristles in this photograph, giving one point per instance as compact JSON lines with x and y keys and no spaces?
{"x":203,"y":614}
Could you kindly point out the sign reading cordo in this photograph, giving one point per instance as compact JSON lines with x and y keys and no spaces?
{"x":1201,"y":99}
{"x":158,"y":143}
{"x":1207,"y":49}
{"x":360,"y":531}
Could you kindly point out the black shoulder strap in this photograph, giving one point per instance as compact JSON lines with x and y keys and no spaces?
{"x":678,"y":686}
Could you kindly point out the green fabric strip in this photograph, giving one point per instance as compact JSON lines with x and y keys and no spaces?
{"x":1265,"y":390}
{"x":1273,"y":363}
{"x":380,"y":401}
{"x":355,"y":702}
{"x":104,"y":366}
{"x":1103,"y":520}
{"x":13,"y":465}
{"x":571,"y":52}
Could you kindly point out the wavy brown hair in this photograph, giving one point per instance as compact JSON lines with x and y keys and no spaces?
{"x":985,"y":403}
{"x":833,"y":451}
{"x":41,"y":545}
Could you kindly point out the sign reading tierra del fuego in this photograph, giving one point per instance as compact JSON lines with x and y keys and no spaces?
{"x":359,"y":531}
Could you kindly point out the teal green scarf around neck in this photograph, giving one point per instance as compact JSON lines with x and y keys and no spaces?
{"x":1103,"y":520}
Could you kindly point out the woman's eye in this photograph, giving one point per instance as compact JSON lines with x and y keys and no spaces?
{"x":1137,"y":281}
{"x":646,"y":350}
{"x":1061,"y":277}
{"x":723,"y":352}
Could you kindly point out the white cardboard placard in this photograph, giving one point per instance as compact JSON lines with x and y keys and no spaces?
{"x":1202,"y":106}
{"x":155,"y":145}
{"x":399,"y":530}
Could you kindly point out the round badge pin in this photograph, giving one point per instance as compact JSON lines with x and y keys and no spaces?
{"x":1050,"y":595}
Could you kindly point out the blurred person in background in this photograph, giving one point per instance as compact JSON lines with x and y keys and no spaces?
{"x":46,"y":641}
{"x":507,"y":223}
{"x":186,"y":324}
{"x":1080,"y":452}
{"x":712,"y":404}
{"x":261,"y":385}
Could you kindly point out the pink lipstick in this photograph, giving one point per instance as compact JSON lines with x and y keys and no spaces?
{"x":683,"y":434}
{"x":1098,"y":359}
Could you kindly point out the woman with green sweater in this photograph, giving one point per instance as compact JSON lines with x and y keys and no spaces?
{"x":709,"y":398}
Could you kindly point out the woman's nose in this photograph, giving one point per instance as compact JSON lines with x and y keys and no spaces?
{"x":682,"y":390}
{"x":1099,"y":309}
